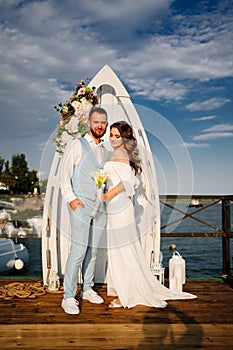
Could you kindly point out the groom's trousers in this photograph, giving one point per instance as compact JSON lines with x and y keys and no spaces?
{"x":86,"y":234}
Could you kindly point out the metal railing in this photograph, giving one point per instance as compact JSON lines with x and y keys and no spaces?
{"x":208,"y":201}
{"x":224,"y":231}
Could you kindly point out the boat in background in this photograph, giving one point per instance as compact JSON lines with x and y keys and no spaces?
{"x":195,"y":204}
{"x":12,"y":255}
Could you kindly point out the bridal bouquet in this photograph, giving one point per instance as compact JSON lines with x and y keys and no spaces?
{"x":74,"y":115}
{"x":100,"y":179}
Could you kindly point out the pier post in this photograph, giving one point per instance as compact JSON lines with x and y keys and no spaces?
{"x":226,"y":227}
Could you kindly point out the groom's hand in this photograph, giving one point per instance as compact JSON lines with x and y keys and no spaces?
{"x":75,"y":203}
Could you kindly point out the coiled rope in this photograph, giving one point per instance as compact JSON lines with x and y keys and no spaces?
{"x":22,"y":290}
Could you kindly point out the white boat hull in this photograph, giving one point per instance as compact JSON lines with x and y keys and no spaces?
{"x":56,"y":230}
{"x":9,"y":252}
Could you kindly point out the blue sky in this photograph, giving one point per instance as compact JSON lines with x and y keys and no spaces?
{"x":174,"y":57}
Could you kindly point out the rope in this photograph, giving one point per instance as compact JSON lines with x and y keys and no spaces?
{"x":22,"y":290}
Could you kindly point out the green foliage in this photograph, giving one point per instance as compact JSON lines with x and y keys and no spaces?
{"x":1,"y":164}
{"x":17,"y":177}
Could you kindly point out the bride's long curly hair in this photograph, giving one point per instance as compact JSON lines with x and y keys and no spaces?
{"x":130,"y":144}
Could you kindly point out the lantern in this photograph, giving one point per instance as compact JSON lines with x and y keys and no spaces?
{"x":54,"y":282}
{"x":176,"y":272}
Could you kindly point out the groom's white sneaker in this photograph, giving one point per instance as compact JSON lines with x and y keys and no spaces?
{"x":70,"y":306}
{"x":92,"y":296}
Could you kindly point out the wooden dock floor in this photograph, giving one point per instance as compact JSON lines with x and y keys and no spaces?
{"x":40,"y":323}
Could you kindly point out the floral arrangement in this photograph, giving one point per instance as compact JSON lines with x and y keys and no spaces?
{"x":74,"y":115}
{"x":100,"y":178}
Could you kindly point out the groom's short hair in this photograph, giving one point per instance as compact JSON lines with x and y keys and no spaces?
{"x":99,"y":110}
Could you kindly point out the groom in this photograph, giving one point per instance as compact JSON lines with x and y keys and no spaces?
{"x":81,"y":158}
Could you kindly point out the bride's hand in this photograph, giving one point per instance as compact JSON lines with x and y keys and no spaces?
{"x":104,"y":197}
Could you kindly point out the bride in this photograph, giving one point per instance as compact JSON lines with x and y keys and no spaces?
{"x":129,"y":276}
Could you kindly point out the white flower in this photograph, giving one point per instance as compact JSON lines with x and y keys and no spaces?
{"x":76,"y":104}
{"x":100,"y":178}
{"x":86,"y":104}
{"x":74,"y":115}
{"x":65,"y":109}
{"x":82,"y":115}
{"x":65,"y":137}
{"x":72,"y":126}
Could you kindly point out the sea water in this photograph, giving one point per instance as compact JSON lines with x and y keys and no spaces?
{"x":203,"y":255}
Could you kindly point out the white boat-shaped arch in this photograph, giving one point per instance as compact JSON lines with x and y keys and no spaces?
{"x":56,"y":231}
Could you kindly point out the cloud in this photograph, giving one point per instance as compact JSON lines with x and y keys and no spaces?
{"x":48,"y":46}
{"x":194,"y":52}
{"x":195,"y":145}
{"x":208,"y":117}
{"x":156,"y":90}
{"x":217,"y":131}
{"x":212,"y":103}
{"x":213,"y":136}
{"x":219,"y":128}
{"x":47,"y":38}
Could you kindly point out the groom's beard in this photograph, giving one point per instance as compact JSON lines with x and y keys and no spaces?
{"x":97,"y":134}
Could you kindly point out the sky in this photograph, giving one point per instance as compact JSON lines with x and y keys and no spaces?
{"x":175,"y":58}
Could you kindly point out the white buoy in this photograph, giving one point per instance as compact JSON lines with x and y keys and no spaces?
{"x":19,"y":264}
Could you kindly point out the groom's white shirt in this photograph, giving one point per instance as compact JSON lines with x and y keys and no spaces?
{"x":71,"y":157}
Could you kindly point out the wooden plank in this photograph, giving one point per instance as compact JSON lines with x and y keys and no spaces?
{"x":206,"y":322}
{"x":115,"y":336}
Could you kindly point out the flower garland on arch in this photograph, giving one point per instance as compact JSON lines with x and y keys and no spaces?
{"x":74,"y":115}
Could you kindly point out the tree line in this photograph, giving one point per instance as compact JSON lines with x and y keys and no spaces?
{"x":16,"y":177}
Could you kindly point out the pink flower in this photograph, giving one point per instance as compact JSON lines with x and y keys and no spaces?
{"x":81,"y":84}
{"x":78,"y":86}
{"x":92,"y":94}
{"x":81,"y":91}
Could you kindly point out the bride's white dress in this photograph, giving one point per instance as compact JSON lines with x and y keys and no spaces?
{"x":129,"y":275}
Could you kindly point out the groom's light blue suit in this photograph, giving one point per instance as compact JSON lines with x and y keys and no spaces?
{"x":85,"y":232}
